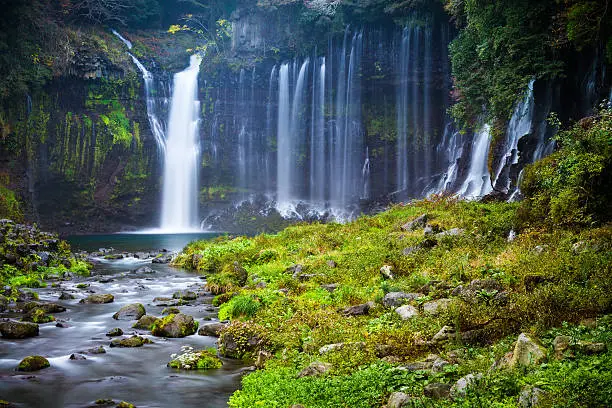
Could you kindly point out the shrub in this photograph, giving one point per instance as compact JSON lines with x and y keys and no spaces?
{"x":572,"y":187}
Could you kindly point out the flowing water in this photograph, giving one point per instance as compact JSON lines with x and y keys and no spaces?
{"x":180,"y":182}
{"x":138,"y":375}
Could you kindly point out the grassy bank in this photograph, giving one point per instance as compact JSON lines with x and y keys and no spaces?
{"x":289,"y":295}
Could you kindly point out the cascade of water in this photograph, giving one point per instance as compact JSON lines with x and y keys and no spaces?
{"x":283,"y":176}
{"x":478,"y":180}
{"x":452,"y":149}
{"x":365,"y":176}
{"x":241,"y":110}
{"x":426,"y":171}
{"x":180,"y":182}
{"x":519,"y":126}
{"x":317,"y":139}
{"x":155,"y":123}
{"x":269,"y":126}
{"x":345,"y":178}
{"x":417,"y":117}
{"x":402,"y":110}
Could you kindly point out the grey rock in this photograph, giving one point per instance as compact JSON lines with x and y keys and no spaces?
{"x":133,"y":311}
{"x":418,"y":222}
{"x":460,"y":388}
{"x":212,"y":329}
{"x":434,"y":307}
{"x":12,"y":329}
{"x":437,"y":390}
{"x":438,"y":365}
{"x":115,"y":332}
{"x":315,"y":369}
{"x":357,"y":310}
{"x":174,"y":326}
{"x":77,"y":357}
{"x":331,"y":287}
{"x":527,"y":351}
{"x":399,"y":400}
{"x":185,"y":295}
{"x":446,"y":333}
{"x":338,"y":346}
{"x":407,"y":312}
{"x":561,"y":345}
{"x":98,"y":298}
{"x":395,"y":299}
{"x":532,"y":397}
{"x":331,"y":263}
{"x":453,"y":232}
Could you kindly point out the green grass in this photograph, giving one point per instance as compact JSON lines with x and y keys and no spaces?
{"x":296,"y":315}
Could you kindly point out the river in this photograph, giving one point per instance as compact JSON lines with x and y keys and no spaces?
{"x":137,"y":375}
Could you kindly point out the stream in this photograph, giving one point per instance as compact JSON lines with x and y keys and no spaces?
{"x":137,"y":375}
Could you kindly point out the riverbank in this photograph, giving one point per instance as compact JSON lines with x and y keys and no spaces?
{"x":412,"y":301}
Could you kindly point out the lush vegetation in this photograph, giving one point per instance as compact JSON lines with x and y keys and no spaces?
{"x":572,"y":186}
{"x":502,"y":46}
{"x":276,"y":288}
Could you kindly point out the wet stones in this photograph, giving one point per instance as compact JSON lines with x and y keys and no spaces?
{"x":12,"y":329}
{"x":175,"y":325}
{"x":115,"y":332}
{"x":184,"y":295}
{"x":33,"y":363}
{"x":212,"y":329}
{"x":134,"y":341}
{"x":98,"y":299}
{"x":133,"y":311}
{"x":146,"y":322}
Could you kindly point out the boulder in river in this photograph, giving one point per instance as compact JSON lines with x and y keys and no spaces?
{"x":134,"y":341}
{"x":185,"y":295}
{"x":212,"y":329}
{"x":98,"y":298}
{"x":146,"y":322}
{"x":33,"y":363}
{"x":115,"y":332}
{"x":133,"y":311}
{"x":12,"y":329}
{"x":46,"y":307}
{"x":175,"y":325}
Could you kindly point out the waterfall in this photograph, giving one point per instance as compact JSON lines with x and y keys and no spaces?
{"x":318,"y":163}
{"x":452,"y":150}
{"x":348,"y":137}
{"x":519,"y":126}
{"x":365,"y":176}
{"x":155,"y":123}
{"x":269,"y":126}
{"x":283,"y":176}
{"x":478,"y":180}
{"x":241,"y":115}
{"x":402,"y":109}
{"x":180,"y":180}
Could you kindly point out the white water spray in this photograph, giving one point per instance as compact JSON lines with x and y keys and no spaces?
{"x":180,"y":182}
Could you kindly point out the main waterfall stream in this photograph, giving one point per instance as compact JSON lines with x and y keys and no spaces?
{"x":137,"y":375}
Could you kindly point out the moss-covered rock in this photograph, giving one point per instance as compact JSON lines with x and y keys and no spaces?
{"x":146,"y":322}
{"x":130,"y":312}
{"x":115,"y":332}
{"x":196,"y":360}
{"x":33,"y":363}
{"x":134,"y":341}
{"x":98,"y":299}
{"x":175,"y":325}
{"x":11,"y":329}
{"x":242,"y":339}
{"x":38,"y":316}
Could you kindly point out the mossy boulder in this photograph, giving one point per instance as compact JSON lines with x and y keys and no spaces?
{"x":185,"y":295}
{"x":196,"y":360}
{"x":134,"y":341}
{"x":527,"y":351}
{"x":175,"y":325}
{"x":133,"y":311}
{"x":242,"y":340}
{"x":38,"y":316}
{"x":33,"y":363}
{"x":146,"y":322}
{"x":115,"y":332}
{"x":98,"y":298}
{"x":11,"y":329}
{"x":171,"y":310}
{"x":46,"y":307}
{"x":212,"y":329}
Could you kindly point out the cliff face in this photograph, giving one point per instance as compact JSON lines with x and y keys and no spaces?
{"x":338,"y":114}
